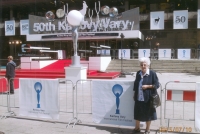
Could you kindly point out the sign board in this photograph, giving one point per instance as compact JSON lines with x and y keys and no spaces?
{"x":184,"y":54}
{"x":39,"y":98}
{"x":113,"y":102}
{"x":180,"y":19}
{"x":9,"y":28}
{"x":143,"y":53}
{"x":164,"y":53}
{"x":24,"y":27}
{"x":128,"y":20}
{"x":157,"y":20}
{"x":124,"y":53}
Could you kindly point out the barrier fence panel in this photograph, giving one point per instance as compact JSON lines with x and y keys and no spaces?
{"x":3,"y":89}
{"x":159,"y":110}
{"x":8,"y":99}
{"x":3,"y":97}
{"x":179,"y":105}
{"x":13,"y":99}
{"x":65,"y":101}
{"x":83,"y":100}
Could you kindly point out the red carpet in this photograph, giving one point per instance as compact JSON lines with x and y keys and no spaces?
{"x":60,"y":64}
{"x":106,"y":75}
{"x":55,"y":70}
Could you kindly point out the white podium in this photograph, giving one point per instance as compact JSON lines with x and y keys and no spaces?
{"x":75,"y":73}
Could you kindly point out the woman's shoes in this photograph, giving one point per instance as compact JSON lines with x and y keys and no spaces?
{"x":147,"y":132}
{"x":135,"y":131}
{"x":138,"y":131}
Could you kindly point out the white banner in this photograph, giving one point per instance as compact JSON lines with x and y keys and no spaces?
{"x":125,"y":53}
{"x":164,"y":53}
{"x":24,"y":27}
{"x":104,"y":51}
{"x":60,"y":54}
{"x":157,"y":20}
{"x":197,"y":107}
{"x":198,"y":18}
{"x":112,"y":102}
{"x":184,"y":54}
{"x":143,"y":53}
{"x":9,"y":28}
{"x":180,"y":20}
{"x":39,"y":98}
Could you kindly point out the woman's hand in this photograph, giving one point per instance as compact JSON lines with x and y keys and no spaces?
{"x":144,"y":87}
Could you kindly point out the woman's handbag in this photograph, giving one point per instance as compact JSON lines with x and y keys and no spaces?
{"x":155,"y":100}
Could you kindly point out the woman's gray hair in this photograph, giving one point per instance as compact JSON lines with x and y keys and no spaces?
{"x":146,"y":60}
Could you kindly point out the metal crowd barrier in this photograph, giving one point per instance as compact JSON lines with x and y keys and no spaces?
{"x":3,"y":96}
{"x":83,"y":97}
{"x":66,"y":91}
{"x":66,"y":101}
{"x":76,"y":99}
{"x":160,"y":112}
{"x":7,"y":98}
{"x":72,"y":99}
{"x":3,"y":89}
{"x":179,"y":95}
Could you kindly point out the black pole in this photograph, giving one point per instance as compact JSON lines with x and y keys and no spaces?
{"x":122,"y":75}
{"x":150,"y":53}
{"x":15,"y":50}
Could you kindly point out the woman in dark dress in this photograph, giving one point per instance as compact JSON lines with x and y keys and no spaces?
{"x":146,"y":83}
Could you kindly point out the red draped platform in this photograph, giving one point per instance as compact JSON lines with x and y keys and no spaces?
{"x":52,"y":71}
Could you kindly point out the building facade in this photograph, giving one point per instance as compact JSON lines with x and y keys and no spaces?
{"x":165,"y":38}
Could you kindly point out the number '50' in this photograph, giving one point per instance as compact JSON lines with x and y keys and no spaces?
{"x":180,"y":19}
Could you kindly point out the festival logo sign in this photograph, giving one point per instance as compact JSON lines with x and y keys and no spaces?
{"x":36,"y":100}
{"x":10,"y":28}
{"x":24,"y":27}
{"x":113,"y":102}
{"x":180,"y":20}
{"x":164,"y":53}
{"x":124,"y":53}
{"x":128,"y":20}
{"x":117,"y":91}
{"x":184,"y":54}
{"x":157,"y":20}
{"x":143,"y":53}
{"x":38,"y":89}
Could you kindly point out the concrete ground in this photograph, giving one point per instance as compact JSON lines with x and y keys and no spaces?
{"x":10,"y":124}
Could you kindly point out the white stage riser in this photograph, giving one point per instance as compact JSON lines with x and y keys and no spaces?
{"x":94,"y":63}
{"x":27,"y":63}
{"x":99,"y":63}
